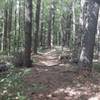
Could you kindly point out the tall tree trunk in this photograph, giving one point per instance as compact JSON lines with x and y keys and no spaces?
{"x":77,"y":37}
{"x":63,"y":30}
{"x":99,"y":36}
{"x":54,"y":41}
{"x":51,"y":22}
{"x":37,"y":19}
{"x":5,"y":30}
{"x":68,"y":29}
{"x":90,"y":18}
{"x":28,"y":33}
{"x":41,"y":35}
{"x":74,"y":21}
{"x":59,"y":38}
{"x":19,"y":30}
{"x":42,"y":25}
{"x":24,"y":22}
{"x":49,"y":28}
{"x":10,"y":24}
{"x":15,"y":28}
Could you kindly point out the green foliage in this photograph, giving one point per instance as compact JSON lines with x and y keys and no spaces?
{"x":2,"y":2}
{"x":14,"y":87}
{"x":97,"y":67}
{"x":60,"y":7}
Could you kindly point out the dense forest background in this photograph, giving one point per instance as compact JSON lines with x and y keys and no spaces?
{"x":54,"y":32}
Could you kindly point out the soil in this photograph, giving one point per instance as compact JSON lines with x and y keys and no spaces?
{"x":61,"y":81}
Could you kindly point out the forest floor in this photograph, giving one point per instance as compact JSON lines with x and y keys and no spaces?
{"x":57,"y":81}
{"x":49,"y":79}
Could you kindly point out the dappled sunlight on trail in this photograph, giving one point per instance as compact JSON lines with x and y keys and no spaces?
{"x":59,"y":81}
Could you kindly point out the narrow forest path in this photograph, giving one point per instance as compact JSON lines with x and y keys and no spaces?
{"x":49,"y":58}
{"x":53,"y":81}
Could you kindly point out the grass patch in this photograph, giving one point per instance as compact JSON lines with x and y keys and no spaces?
{"x":13,"y":86}
{"x":97,"y":66}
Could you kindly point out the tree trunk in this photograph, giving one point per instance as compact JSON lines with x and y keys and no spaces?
{"x":97,"y":1}
{"x":15,"y":24}
{"x":10,"y":24}
{"x":41,"y":35}
{"x":77,"y":36}
{"x":5,"y":30}
{"x":42,"y":25}
{"x":90,"y":18}
{"x":28,"y":33}
{"x":74,"y":21}
{"x":19,"y":28}
{"x":98,"y":37}
{"x":49,"y":28}
{"x":37,"y":19}
{"x":51,"y":23}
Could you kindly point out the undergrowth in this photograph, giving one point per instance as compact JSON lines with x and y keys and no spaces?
{"x":13,"y":85}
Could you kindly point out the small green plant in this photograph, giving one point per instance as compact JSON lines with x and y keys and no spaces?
{"x":97,"y":67}
{"x":12,"y":85}
{"x":38,"y":87}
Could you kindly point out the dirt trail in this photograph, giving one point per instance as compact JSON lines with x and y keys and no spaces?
{"x":55,"y":82}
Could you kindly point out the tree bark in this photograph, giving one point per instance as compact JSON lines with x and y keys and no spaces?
{"x":28,"y":33}
{"x":5,"y":30}
{"x":10,"y":24}
{"x":42,"y":25}
{"x":37,"y":19}
{"x":90,"y":18}
{"x":15,"y":24}
{"x":19,"y":28}
{"x":97,"y":1}
{"x":49,"y":28}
